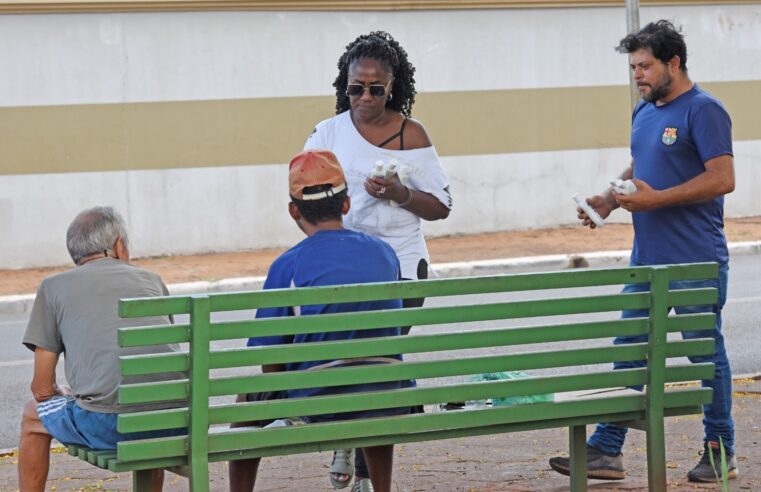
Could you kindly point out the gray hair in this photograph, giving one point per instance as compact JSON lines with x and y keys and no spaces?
{"x":94,"y":230}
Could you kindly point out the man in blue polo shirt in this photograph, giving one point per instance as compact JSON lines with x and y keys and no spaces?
{"x":682,"y":166}
{"x":330,"y":255}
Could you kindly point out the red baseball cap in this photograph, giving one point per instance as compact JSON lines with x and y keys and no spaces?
{"x":315,"y":167}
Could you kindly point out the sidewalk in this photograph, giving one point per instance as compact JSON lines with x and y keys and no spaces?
{"x":492,"y":253}
{"x":503,"y":462}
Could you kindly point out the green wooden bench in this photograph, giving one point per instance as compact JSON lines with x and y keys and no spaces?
{"x":439,"y":359}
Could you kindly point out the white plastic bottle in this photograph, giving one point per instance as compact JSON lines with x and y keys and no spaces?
{"x":378,"y":171}
{"x":392,"y":168}
{"x":591,"y":213}
{"x":404,"y":173}
{"x":623,"y":187}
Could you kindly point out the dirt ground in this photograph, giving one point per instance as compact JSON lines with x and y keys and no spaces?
{"x":509,"y":244}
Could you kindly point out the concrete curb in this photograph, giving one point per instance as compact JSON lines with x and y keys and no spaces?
{"x":17,"y":306}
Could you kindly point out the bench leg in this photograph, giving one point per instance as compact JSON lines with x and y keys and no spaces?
{"x":577,"y":437}
{"x":656,"y":457}
{"x":142,"y":480}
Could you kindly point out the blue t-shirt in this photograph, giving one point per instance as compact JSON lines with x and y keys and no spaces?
{"x":670,"y":145}
{"x":332,"y":257}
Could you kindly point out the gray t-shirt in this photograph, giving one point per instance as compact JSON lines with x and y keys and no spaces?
{"x":75,"y":313}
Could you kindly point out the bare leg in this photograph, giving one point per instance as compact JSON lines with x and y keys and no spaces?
{"x":152,"y":480}
{"x":380,"y":461}
{"x":157,"y":480}
{"x":34,"y":451}
{"x":34,"y":454}
{"x":360,"y":465}
{"x":242,"y":473}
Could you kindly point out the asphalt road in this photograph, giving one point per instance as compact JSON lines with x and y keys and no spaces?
{"x":741,"y":315}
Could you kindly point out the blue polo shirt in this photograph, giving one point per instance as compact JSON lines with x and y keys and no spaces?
{"x":332,"y":257}
{"x":670,"y":145}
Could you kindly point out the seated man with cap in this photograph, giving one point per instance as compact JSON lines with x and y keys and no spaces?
{"x":330,"y":255}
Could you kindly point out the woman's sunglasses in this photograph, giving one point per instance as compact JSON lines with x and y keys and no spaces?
{"x":354,"y":90}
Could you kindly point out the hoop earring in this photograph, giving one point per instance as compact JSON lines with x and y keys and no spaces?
{"x":390,"y":96}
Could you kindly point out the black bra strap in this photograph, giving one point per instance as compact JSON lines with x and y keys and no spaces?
{"x":399,"y":134}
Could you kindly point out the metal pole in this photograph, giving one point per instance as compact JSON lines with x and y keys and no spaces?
{"x":632,"y":24}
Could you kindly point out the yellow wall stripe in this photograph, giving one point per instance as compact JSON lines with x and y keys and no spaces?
{"x":165,"y":135}
{"x":54,"y":6}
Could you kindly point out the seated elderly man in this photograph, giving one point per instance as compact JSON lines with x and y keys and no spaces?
{"x":75,"y":312}
{"x":330,"y":255}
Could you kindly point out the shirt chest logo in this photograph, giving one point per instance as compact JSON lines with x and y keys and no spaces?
{"x":669,"y":136}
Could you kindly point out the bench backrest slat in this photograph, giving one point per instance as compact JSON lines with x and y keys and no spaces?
{"x":137,"y":308}
{"x":221,"y":386}
{"x":155,"y":363}
{"x":422,"y":316}
{"x":224,"y":414}
{"x":155,"y":335}
{"x":432,"y":423}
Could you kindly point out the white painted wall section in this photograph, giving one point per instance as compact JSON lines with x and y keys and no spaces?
{"x":143,"y":57}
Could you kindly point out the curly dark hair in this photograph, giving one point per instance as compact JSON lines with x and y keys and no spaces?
{"x":662,"y":38}
{"x":381,"y":46}
{"x":322,"y":210}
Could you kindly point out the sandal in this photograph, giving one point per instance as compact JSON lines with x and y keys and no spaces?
{"x":342,"y":466}
{"x":363,"y":485}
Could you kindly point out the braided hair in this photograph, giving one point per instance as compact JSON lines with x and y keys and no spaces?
{"x":380,"y":46}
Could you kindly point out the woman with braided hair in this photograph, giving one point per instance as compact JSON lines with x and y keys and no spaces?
{"x":393,"y":172}
{"x":375,"y":91}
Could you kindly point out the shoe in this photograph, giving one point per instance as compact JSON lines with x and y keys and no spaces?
{"x":704,"y":472}
{"x":343,"y":464}
{"x":363,"y":485}
{"x":599,"y":465}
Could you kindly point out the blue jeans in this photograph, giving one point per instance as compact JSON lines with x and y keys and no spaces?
{"x":717,"y":416}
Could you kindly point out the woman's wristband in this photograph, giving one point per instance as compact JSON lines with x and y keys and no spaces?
{"x":409,"y":198}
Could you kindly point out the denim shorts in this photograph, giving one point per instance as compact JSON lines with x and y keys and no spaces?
{"x":71,"y":424}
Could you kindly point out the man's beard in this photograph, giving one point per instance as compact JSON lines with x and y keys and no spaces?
{"x":660,"y":90}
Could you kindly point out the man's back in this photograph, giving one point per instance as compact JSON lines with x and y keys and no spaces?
{"x":335,"y":257}
{"x":75,"y":313}
{"x":331,"y":257}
